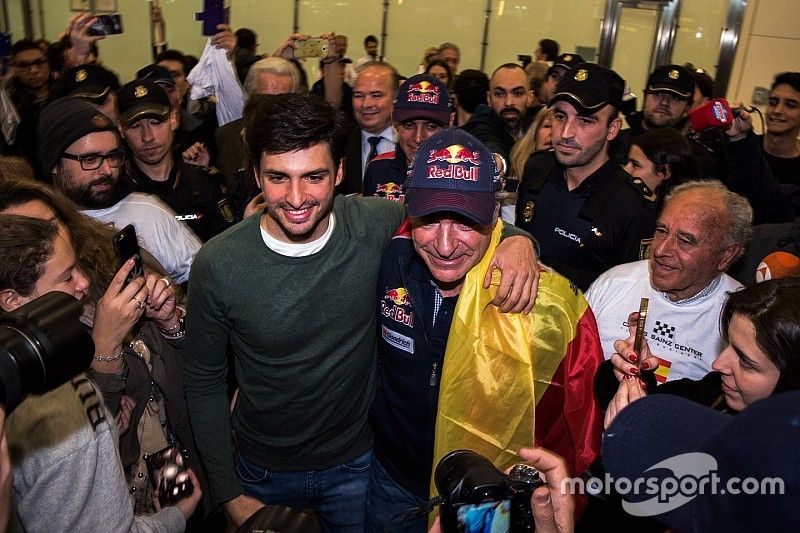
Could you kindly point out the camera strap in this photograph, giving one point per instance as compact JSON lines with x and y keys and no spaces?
{"x":403,"y":517}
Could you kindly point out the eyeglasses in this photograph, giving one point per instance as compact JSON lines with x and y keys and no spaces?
{"x":27,"y":65}
{"x":94,"y":161}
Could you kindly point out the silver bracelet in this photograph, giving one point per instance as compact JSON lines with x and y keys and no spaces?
{"x":109,"y":358}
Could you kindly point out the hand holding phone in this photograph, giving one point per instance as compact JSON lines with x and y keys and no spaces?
{"x":106,"y":25}
{"x":126,"y":246}
{"x":169,"y":476}
{"x":312,"y":47}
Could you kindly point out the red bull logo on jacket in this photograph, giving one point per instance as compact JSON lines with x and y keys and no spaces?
{"x":395,"y":304}
{"x":463,"y":163}
{"x":391,"y":191}
{"x":424,"y":91}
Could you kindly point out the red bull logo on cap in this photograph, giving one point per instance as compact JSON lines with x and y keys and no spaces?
{"x":394,"y":305}
{"x":424,"y":91}
{"x":391,"y":191}
{"x":463,"y":165}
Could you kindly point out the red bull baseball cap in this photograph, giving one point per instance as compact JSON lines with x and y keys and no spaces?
{"x":590,"y":87}
{"x":423,"y":97}
{"x":452,"y":171}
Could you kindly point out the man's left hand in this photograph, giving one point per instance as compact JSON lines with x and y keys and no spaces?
{"x":519,"y":283}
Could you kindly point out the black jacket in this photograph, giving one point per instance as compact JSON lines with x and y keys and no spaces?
{"x":614,"y":224}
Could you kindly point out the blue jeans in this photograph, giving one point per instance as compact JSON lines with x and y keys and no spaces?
{"x":387,"y":499}
{"x":338,"y":495}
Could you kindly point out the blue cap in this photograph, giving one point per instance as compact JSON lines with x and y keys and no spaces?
{"x":667,"y":438}
{"x":453,"y":171}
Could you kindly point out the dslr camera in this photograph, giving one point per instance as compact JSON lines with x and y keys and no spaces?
{"x":42,"y":345}
{"x":478,"y":497}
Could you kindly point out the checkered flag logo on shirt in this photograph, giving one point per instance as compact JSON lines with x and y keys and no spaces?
{"x":663,"y":329}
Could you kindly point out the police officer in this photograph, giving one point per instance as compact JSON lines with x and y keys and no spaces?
{"x":148,"y":126}
{"x":576,"y":201}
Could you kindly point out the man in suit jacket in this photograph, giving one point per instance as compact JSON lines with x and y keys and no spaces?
{"x":373,"y":97}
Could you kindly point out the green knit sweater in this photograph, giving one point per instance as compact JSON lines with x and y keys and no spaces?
{"x":302,"y":331}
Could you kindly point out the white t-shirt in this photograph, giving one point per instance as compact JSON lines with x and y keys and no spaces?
{"x":684,"y":335}
{"x":169,"y":240}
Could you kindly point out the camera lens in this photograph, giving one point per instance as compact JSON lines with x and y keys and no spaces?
{"x":42,"y":345}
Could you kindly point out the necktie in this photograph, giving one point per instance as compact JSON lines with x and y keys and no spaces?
{"x":373,"y":148}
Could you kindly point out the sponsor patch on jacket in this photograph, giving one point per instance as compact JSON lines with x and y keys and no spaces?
{"x":395,"y":305}
{"x":399,"y":341}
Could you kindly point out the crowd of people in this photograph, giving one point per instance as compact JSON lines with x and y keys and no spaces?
{"x":346,"y":279}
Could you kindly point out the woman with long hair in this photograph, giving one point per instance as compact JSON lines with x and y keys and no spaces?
{"x":136,"y":326}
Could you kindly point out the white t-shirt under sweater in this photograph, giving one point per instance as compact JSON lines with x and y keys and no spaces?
{"x":169,"y":240}
{"x":685,"y":335}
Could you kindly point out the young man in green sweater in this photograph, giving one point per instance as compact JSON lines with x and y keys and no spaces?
{"x":292,"y":293}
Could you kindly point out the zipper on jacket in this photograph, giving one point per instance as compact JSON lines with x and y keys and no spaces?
{"x":433,"y":374}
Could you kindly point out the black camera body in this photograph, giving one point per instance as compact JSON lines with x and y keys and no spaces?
{"x":42,"y":345}
{"x":478,"y":497}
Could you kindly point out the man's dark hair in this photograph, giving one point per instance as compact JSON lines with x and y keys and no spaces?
{"x":173,"y":55}
{"x":509,"y":65}
{"x":22,"y":45}
{"x":549,"y":48}
{"x":370,"y":39}
{"x":470,"y":87}
{"x":791,"y":79}
{"x":704,"y":83}
{"x":246,"y":38}
{"x":276,"y":124}
{"x":26,"y":244}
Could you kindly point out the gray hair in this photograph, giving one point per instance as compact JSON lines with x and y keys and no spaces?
{"x":273,"y":65}
{"x":738,"y":210}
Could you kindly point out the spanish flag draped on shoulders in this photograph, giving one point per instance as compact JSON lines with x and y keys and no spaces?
{"x":510,"y":379}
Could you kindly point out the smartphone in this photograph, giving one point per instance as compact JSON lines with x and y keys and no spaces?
{"x":639,"y":337}
{"x":311,"y":48}
{"x":169,"y":477}
{"x":106,"y":25}
{"x":214,"y":12}
{"x":126,"y":246}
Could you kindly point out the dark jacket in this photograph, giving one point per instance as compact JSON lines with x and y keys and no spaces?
{"x":193,"y":193}
{"x":614,"y":224}
{"x":488,"y":128}
{"x":385,"y":176}
{"x":352,"y":182}
{"x":410,"y":355}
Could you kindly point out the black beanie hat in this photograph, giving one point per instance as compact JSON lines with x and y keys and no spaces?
{"x":62,"y":123}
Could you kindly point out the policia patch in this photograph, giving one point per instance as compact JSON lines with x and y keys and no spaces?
{"x":644,"y":248}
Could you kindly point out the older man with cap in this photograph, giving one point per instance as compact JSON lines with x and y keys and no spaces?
{"x":440,"y":342}
{"x":80,"y":149}
{"x":421,"y":108}
{"x":577,"y":202}
{"x":148,"y":126}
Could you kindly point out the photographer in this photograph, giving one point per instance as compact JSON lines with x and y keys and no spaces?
{"x":553,"y":510}
{"x":67,"y":469}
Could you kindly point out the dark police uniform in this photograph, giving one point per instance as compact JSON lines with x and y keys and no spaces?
{"x":582,"y":233}
{"x":193,"y":193}
{"x":385,"y":176}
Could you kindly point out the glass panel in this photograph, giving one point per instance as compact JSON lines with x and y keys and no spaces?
{"x":699,"y":30}
{"x":517,"y":27}
{"x":415,"y":25}
{"x":632,"y":51}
